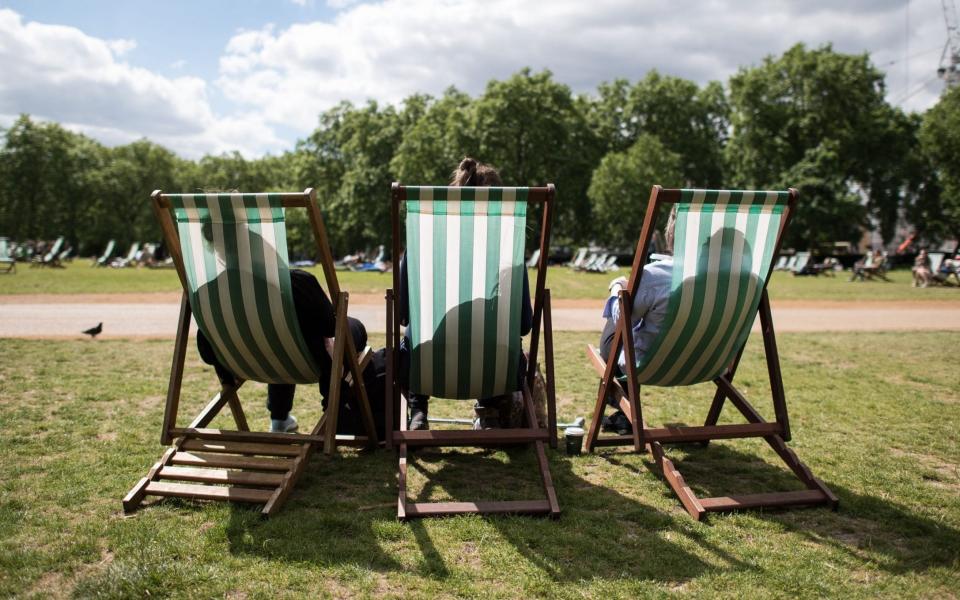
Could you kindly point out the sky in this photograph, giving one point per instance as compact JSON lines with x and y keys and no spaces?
{"x":212,"y":76}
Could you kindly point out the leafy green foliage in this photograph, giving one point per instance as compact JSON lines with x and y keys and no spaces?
{"x":818,"y":120}
{"x":621,"y":187}
{"x":940,"y":141}
{"x":813,"y":119}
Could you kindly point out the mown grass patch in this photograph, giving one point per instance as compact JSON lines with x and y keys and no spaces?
{"x":565,"y":284}
{"x":874,"y":415}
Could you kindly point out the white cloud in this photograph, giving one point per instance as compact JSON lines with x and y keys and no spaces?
{"x":121,"y":47}
{"x":59,"y":73}
{"x":178,"y":64}
{"x":391,"y":49}
{"x":280,"y":79}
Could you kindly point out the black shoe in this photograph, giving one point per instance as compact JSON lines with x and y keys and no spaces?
{"x":617,"y":422}
{"x":418,"y":420}
{"x":487,"y":418}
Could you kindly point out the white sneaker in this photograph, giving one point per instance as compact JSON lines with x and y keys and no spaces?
{"x":288,"y":425}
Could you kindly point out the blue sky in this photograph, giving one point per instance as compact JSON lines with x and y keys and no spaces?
{"x":253,"y":75}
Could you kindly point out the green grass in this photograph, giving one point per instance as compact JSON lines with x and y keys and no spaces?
{"x":874,"y":415}
{"x":79,"y":278}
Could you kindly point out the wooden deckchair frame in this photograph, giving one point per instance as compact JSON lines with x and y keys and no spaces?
{"x":396,"y":406}
{"x":273,"y":460}
{"x":776,"y":434}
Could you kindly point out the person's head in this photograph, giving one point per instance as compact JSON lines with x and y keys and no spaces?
{"x":923,"y":252}
{"x":471,"y":172}
{"x":668,"y":230}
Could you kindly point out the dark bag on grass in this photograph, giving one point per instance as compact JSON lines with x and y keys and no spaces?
{"x":350,"y":419}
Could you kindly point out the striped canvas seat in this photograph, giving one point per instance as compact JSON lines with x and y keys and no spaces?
{"x":465,"y":271}
{"x":724,"y":244}
{"x":235,"y":256}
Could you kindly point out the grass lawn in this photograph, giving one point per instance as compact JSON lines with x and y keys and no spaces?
{"x":874,"y":415}
{"x":79,"y":278}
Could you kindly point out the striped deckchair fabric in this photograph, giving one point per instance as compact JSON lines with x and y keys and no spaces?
{"x":465,"y":271}
{"x":723,"y":248}
{"x":235,"y":257}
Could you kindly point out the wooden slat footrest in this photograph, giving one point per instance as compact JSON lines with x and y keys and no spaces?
{"x":242,"y":448}
{"x":198,"y":459}
{"x":255,"y":478}
{"x":438,"y":509}
{"x":487,"y":437}
{"x":208,"y":492}
{"x":770,"y":499}
{"x":229,"y":435}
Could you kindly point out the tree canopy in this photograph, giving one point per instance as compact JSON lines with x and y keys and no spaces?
{"x":814,"y":119}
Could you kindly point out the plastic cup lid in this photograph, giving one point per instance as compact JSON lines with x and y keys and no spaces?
{"x":573,"y":431}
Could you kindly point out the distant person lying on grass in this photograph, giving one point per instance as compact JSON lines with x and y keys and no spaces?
{"x":649,"y":310}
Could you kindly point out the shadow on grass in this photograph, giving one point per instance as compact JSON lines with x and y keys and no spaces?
{"x":336,"y":515}
{"x":601,"y":533}
{"x":863,"y":527}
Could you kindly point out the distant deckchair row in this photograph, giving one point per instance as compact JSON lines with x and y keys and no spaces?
{"x":7,"y":261}
{"x":464,"y":248}
{"x":52,"y":257}
{"x":596,"y":262}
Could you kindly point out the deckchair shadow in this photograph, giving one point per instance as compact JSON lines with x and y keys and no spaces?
{"x":725,"y":246}
{"x":909,"y":540}
{"x":566,"y":550}
{"x":231,"y":257}
{"x":464,"y":248}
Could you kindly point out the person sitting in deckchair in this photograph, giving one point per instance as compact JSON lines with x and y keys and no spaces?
{"x":317,"y":319}
{"x":649,"y":310}
{"x":488,"y":411}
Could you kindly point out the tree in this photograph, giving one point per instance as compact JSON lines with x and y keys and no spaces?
{"x":690,"y":121}
{"x":940,"y":146}
{"x":821,"y":116}
{"x":534,"y":132}
{"x":620,"y":188}
{"x":436,"y":136}
{"x":348,"y":159}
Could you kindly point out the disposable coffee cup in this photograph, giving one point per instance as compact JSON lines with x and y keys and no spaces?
{"x":574,"y":439}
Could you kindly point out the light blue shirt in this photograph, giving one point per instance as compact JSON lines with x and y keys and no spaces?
{"x":649,"y":306}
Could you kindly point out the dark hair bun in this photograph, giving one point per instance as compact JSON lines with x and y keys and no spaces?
{"x":468,"y":165}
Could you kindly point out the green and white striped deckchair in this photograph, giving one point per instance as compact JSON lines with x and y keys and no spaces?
{"x":234,"y":249}
{"x":104,"y":258}
{"x":126,"y":261}
{"x":465,"y":257}
{"x":5,"y":258}
{"x":230,"y":251}
{"x":725,"y":244}
{"x":51,"y":258}
{"x":465,"y":270}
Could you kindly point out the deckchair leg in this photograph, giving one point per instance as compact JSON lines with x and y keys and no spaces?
{"x":542,"y":463}
{"x":402,"y":472}
{"x":333,"y":401}
{"x":548,"y":356}
{"x":236,"y":409}
{"x":176,"y":370}
{"x":689,"y":500}
{"x":389,"y":401}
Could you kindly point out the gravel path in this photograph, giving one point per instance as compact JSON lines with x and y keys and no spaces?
{"x":155,"y":316}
